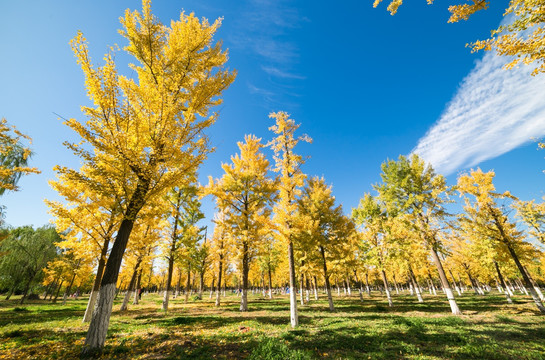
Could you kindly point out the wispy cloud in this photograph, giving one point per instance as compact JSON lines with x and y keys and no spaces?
{"x":494,"y":111}
{"x":264,"y":29}
{"x":274,"y":71}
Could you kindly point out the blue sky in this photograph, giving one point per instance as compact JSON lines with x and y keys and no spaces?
{"x":365,"y":85}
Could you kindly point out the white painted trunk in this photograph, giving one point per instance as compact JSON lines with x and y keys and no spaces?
{"x":453,"y":306}
{"x":166,"y":297}
{"x":539,"y":293}
{"x":96,"y":336}
{"x":125,"y":303}
{"x":244,"y":300}
{"x":418,"y":294}
{"x":293,"y":307}
{"x":330,"y":300}
{"x":90,"y":306}
{"x":218,"y":298}
{"x":389,"y":296}
{"x":458,"y":290}
{"x":136,"y":297}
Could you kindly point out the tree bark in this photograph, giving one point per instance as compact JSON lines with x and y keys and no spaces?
{"x":301,"y":286}
{"x":168,"y":286}
{"x":67,"y":290}
{"x":326,"y":279}
{"x":188,"y":283}
{"x":415,"y":284}
{"x":96,"y":335}
{"x":294,"y":319}
{"x":534,"y":284}
{"x":96,"y":285}
{"x":245,"y":271}
{"x":395,"y":283}
{"x":527,"y":283}
{"x":220,"y":272}
{"x":132,"y":284}
{"x":10,"y":293}
{"x":502,"y":283}
{"x":448,"y":291}
{"x":27,"y":288}
{"x":359,"y":284}
{"x":137,"y":289}
{"x":270,"y":282}
{"x":454,"y":282}
{"x":58,"y":291}
{"x":386,"y":287}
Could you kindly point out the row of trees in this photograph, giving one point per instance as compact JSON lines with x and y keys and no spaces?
{"x":136,"y":195}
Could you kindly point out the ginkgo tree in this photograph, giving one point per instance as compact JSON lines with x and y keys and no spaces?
{"x":371,"y":216}
{"x":183,"y":208}
{"x":146,"y":134}
{"x":324,"y":230}
{"x":411,"y":187}
{"x":491,"y":221}
{"x":245,"y":194}
{"x":533,"y":215}
{"x":291,"y":180}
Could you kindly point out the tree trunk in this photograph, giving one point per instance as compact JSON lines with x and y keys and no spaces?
{"x":534,"y":284}
{"x":137,"y":289}
{"x":415,"y":284}
{"x":10,"y":293}
{"x":527,"y":283}
{"x":454,"y":282}
{"x":168,"y":285}
{"x":294,"y":319}
{"x":386,"y":287}
{"x":270,"y":283}
{"x":301,"y":287}
{"x":96,"y":335}
{"x":448,"y":291}
{"x":58,"y":291}
{"x":326,"y":279}
{"x":367,"y":288}
{"x":188,"y":283}
{"x":96,"y":285}
{"x":395,"y":283}
{"x":502,"y":283}
{"x":431,"y":283}
{"x":178,"y":283}
{"x":359,"y":285}
{"x":132,"y":284}
{"x":27,"y":288}
{"x":315,"y":288}
{"x":245,"y":271}
{"x":220,"y":272}
{"x":67,"y":291}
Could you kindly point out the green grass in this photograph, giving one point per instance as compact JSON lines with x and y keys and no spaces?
{"x":488,"y":329}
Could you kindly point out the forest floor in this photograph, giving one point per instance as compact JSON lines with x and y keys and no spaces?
{"x":488,"y":329}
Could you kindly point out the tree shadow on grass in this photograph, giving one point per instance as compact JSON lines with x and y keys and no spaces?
{"x":38,"y":316}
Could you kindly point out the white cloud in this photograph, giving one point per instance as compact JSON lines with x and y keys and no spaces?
{"x":494,"y":111}
{"x":264,"y":28}
{"x":273,"y":71}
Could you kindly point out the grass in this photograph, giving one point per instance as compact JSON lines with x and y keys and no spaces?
{"x":488,"y":329}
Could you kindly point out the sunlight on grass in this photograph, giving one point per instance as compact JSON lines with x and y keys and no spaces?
{"x":358,"y":330}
